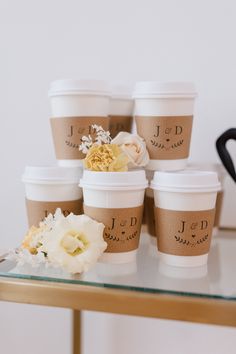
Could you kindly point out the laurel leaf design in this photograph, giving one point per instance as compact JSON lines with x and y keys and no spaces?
{"x":73,"y":145}
{"x":188,"y":243}
{"x":115,"y":238}
{"x":110,"y":237}
{"x":131,"y":237}
{"x":178,"y":144}
{"x":156,"y":144}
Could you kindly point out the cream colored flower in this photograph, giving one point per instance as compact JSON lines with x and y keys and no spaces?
{"x":33,"y":239}
{"x":134,"y":147}
{"x":74,"y":243}
{"x":106,"y":158}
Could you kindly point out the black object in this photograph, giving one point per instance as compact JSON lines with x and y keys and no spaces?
{"x":223,"y":152}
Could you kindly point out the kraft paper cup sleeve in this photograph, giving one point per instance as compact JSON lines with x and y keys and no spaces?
{"x":67,"y":133}
{"x":38,"y":210}
{"x":119,"y":124}
{"x":166,"y":137}
{"x":122,"y":226}
{"x":184,"y":233}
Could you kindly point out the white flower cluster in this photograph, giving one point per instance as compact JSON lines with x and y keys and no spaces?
{"x":73,"y":243}
{"x":86,"y":144}
{"x":22,"y":256}
{"x":101,"y":137}
{"x":132,"y":145}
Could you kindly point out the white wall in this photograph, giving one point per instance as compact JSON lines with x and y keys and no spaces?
{"x":116,"y":40}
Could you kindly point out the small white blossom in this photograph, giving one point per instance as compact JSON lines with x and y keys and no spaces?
{"x":101,"y":137}
{"x":97,"y":128}
{"x":51,"y":219}
{"x":22,"y":256}
{"x":86,"y":144}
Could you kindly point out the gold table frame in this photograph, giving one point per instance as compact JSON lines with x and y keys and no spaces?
{"x":77,"y":297}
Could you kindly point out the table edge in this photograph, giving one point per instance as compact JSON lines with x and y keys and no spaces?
{"x":84,"y":297}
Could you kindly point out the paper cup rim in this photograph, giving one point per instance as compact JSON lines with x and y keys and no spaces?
{"x":41,"y":174}
{"x":117,"y":187}
{"x":186,"y":181}
{"x":113,"y":185}
{"x":187,"y":188}
{"x":158,"y":89}
{"x":164,"y":95}
{"x":79,"y":87}
{"x":79,"y":93}
{"x":122,"y":91}
{"x":121,"y":97}
{"x":48,"y":181}
{"x":206,"y":166}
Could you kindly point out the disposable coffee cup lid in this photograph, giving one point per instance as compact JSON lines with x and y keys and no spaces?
{"x":187,"y":181}
{"x":52,"y":174}
{"x":131,"y":180}
{"x":155,"y":89}
{"x":209,"y":166}
{"x":79,"y":87}
{"x":121,"y":91}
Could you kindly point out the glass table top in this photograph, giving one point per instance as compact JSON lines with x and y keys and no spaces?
{"x":149,"y":274}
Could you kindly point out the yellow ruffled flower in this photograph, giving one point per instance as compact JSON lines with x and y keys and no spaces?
{"x":106,"y":158}
{"x":31,"y":240}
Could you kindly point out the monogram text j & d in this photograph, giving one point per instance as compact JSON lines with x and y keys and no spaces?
{"x":177,"y":130}
{"x":79,"y":130}
{"x":123,"y":223}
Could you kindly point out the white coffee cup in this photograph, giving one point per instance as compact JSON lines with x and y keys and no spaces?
{"x":48,"y":188}
{"x":163,"y":114}
{"x":185,"y":203}
{"x":121,"y":108}
{"x":75,"y":106}
{"x":221,"y":172}
{"x":116,"y":199}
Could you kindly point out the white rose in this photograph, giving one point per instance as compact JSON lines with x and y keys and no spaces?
{"x":134,"y":147}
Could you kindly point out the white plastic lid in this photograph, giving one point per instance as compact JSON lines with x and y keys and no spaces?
{"x":121,"y":91}
{"x":154,"y":89}
{"x":131,"y":180}
{"x":211,"y":166}
{"x":81,"y":87}
{"x":52,"y":174}
{"x":187,"y":181}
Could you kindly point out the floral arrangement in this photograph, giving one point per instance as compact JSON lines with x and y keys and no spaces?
{"x":73,"y":243}
{"x":125,"y":151}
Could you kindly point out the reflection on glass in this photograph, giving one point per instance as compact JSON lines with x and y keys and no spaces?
{"x":184,"y":279}
{"x":149,"y":274}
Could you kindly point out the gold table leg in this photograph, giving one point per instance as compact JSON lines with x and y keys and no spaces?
{"x":76,"y":331}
